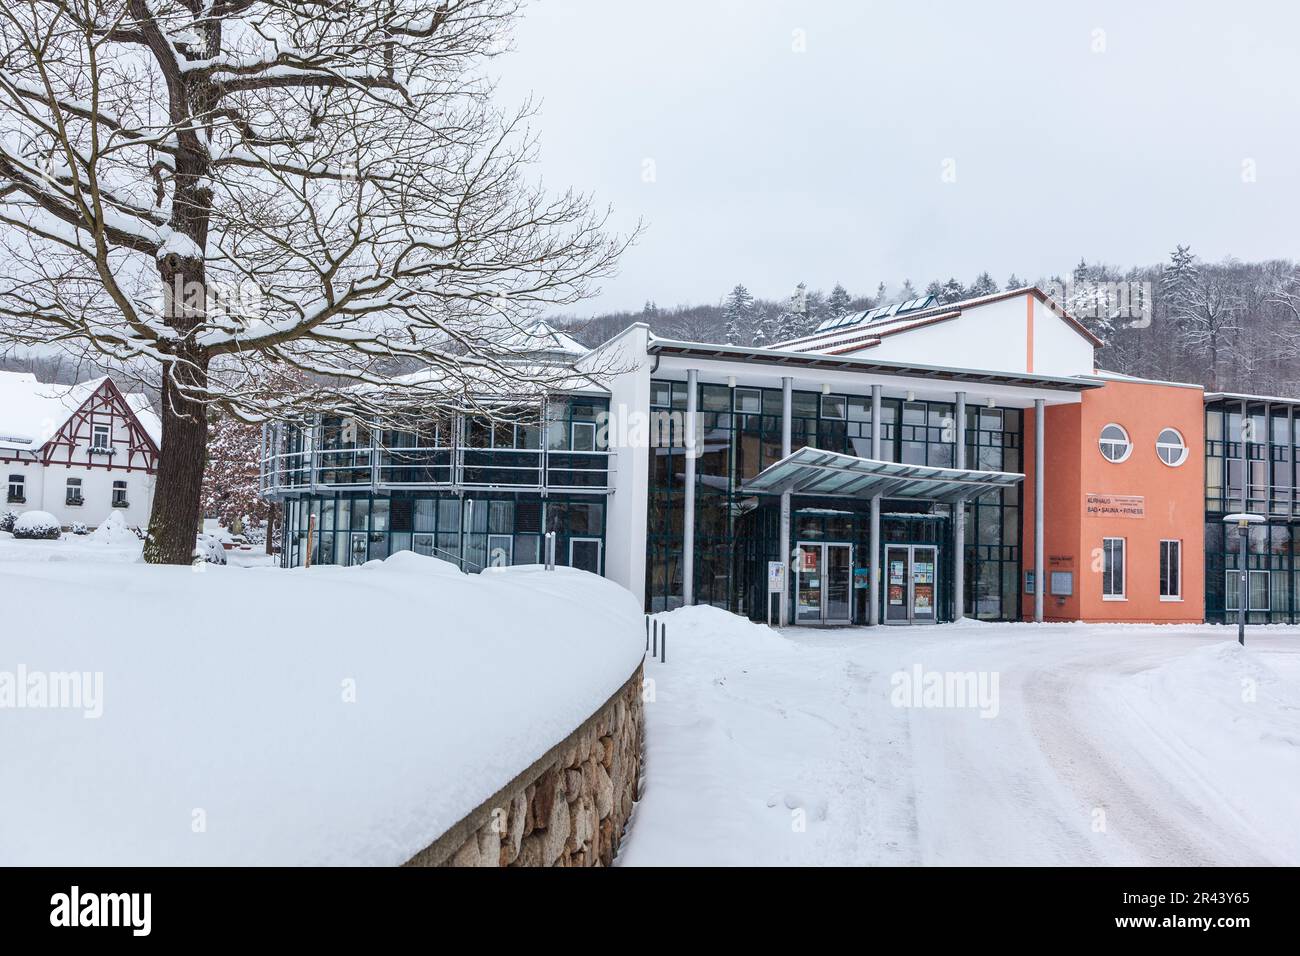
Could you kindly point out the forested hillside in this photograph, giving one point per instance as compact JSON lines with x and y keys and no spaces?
{"x":1230,"y":325}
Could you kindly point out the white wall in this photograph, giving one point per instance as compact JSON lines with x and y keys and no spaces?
{"x":626,"y":373}
{"x":993,"y":337}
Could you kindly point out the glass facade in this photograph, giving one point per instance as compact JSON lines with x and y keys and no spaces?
{"x":472,"y":491}
{"x":1251,"y":450}
{"x":736,"y":534}
{"x":474,"y":530}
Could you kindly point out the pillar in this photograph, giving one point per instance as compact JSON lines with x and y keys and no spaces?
{"x":959,"y":518}
{"x":873,"y":615}
{"x":1040,"y":413}
{"x":688,"y":514}
{"x":783,"y":603}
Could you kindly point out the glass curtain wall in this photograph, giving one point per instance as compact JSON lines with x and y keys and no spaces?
{"x":740,"y":432}
{"x":1270,"y":437}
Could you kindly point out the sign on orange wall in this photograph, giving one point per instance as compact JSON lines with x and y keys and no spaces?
{"x":1114,"y":506}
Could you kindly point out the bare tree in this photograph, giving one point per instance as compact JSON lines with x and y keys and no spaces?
{"x":212,"y":188}
{"x":1207,"y":315}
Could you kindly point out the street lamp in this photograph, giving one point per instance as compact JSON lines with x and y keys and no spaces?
{"x":1243,"y":521}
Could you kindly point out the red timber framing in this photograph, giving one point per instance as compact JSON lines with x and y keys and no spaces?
{"x":104,"y":406}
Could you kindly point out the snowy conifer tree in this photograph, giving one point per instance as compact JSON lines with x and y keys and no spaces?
{"x":984,"y":284}
{"x":838,"y":302}
{"x":737,"y":315}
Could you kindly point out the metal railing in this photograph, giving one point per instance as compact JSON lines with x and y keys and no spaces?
{"x":377,"y":467}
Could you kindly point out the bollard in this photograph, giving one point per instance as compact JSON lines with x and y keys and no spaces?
{"x":663,"y":645}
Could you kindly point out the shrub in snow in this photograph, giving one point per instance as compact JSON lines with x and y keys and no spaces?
{"x":79,"y":528}
{"x":37,"y":524}
{"x":210,"y":549}
{"x":7,"y":519}
{"x":113,"y":530}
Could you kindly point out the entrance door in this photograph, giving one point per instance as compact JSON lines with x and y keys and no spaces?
{"x":823,"y":583}
{"x":836,"y":604}
{"x":808,"y":585}
{"x":911,"y":584}
{"x":898,"y":604}
{"x":584,"y":554}
{"x":924,"y":591}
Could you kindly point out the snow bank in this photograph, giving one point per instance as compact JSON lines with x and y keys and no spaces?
{"x":263,"y":716}
{"x":1223,"y":715}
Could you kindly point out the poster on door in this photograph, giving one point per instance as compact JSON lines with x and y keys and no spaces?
{"x":896,"y":595}
{"x":923,"y":598}
{"x":808,"y":559}
{"x":896,"y":573}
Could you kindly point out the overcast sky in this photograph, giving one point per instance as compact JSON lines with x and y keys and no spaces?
{"x":771,"y":142}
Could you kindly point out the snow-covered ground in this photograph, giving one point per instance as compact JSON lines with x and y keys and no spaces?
{"x":331,"y":715}
{"x":1097,"y":745}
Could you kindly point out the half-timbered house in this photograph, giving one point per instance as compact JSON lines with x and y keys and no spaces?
{"x":79,"y":452}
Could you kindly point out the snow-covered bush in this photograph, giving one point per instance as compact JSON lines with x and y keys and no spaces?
{"x":7,"y":519}
{"x":79,"y":528}
{"x":210,"y":549}
{"x":37,"y":524}
{"x":113,"y":530}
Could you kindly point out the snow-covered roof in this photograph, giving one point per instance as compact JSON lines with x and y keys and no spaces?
{"x":542,"y":338}
{"x":147,"y":417}
{"x":32,"y":412}
{"x":866,"y":329}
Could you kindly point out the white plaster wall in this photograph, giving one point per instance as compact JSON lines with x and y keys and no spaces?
{"x":992,"y":337}
{"x":627,"y":376}
{"x":97,"y":493}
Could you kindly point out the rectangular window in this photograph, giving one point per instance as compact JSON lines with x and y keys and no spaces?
{"x":1257,"y":591}
{"x":749,"y":401}
{"x":1112,"y":569}
{"x":17,"y":487}
{"x":100,"y":437}
{"x":74,"y":491}
{"x":833,"y":406}
{"x":119,"y":494}
{"x":1171,"y":570}
{"x":584,"y":436}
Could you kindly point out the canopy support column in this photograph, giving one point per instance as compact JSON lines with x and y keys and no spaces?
{"x":688,"y":514}
{"x":783,"y":605}
{"x":873,"y":614}
{"x":959,"y":518}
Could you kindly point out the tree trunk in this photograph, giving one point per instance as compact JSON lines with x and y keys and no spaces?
{"x":175,"y":514}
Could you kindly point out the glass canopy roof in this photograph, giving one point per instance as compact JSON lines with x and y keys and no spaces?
{"x":810,"y":471}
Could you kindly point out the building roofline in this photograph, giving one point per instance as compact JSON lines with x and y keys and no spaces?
{"x":1120,"y":377}
{"x":1238,"y":396}
{"x":850,"y":363}
{"x":957,"y":307}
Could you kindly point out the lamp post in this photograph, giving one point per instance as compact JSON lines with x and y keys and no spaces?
{"x":1243,"y":521}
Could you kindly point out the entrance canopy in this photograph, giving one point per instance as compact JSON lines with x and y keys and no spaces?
{"x":810,"y":471}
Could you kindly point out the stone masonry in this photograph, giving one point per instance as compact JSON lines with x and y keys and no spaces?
{"x":568,"y":809}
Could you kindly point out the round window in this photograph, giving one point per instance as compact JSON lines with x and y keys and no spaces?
{"x":1114,"y":443}
{"x":1170,"y":447}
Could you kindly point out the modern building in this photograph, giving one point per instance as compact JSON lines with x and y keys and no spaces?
{"x":77,"y":451}
{"x":912,"y":464}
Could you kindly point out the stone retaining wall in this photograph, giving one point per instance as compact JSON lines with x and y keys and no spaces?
{"x":568,"y":809}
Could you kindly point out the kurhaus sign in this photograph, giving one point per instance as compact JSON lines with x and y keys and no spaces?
{"x":1114,"y":506}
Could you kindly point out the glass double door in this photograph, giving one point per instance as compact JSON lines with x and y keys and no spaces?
{"x":823,"y":583}
{"x":911,"y":584}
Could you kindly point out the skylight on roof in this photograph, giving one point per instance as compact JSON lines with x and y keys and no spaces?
{"x":918,"y":304}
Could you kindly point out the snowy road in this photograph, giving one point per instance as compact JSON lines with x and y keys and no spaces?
{"x":1101,"y":745}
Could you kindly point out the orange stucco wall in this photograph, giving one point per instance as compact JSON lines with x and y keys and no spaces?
{"x":1172,"y":505}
